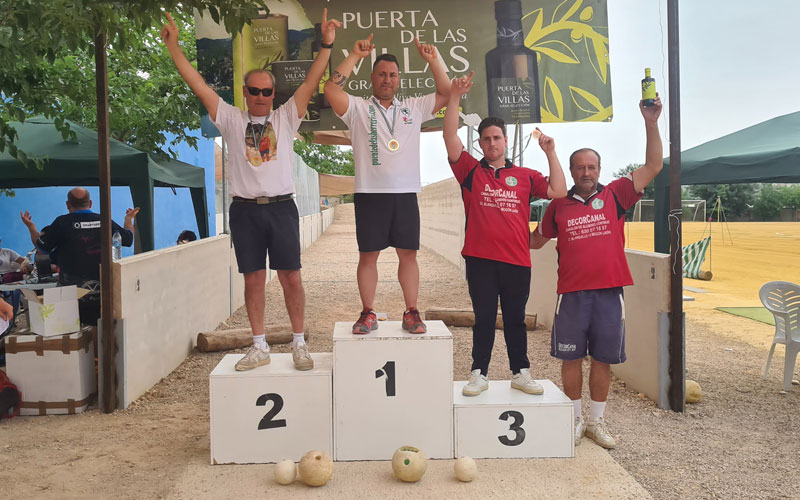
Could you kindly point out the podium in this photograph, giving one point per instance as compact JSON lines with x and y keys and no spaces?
{"x":392,"y":388}
{"x":271,"y":412}
{"x":507,"y":423}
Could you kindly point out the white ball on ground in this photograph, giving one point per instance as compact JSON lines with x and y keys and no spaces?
{"x":285,"y":472}
{"x":409,"y":464}
{"x":316,"y":468}
{"x":465,"y":469}
{"x":693,"y":392}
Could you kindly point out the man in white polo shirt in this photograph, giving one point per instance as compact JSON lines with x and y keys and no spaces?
{"x":385,"y":132}
{"x":263,"y":214}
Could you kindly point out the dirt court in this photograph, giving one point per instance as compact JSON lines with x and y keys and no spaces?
{"x":743,"y":256}
{"x":738,"y":442}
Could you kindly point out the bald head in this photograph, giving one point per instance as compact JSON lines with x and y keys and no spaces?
{"x":78,"y":199}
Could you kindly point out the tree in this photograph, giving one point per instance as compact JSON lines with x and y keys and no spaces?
{"x":326,"y":159}
{"x":737,"y":199}
{"x":47,"y":49}
{"x":769,"y":202}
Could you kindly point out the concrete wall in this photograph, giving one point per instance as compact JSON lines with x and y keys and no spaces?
{"x":646,"y":302}
{"x":166,"y":297}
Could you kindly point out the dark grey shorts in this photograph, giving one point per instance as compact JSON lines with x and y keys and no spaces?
{"x":273,"y":228}
{"x":590,"y":321}
{"x":386,"y":220}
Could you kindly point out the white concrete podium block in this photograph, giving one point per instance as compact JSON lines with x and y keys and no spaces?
{"x":271,"y":412}
{"x":392,"y":388}
{"x":506,"y":423}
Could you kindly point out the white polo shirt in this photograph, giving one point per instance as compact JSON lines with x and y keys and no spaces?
{"x":378,"y":168}
{"x":266,"y":171}
{"x":8,"y":260}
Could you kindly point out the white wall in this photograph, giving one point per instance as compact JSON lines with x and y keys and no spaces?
{"x":168,"y":296}
{"x":442,"y":220}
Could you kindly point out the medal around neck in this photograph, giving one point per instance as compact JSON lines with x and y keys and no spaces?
{"x":393,"y":145}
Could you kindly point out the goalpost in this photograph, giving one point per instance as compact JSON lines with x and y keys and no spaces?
{"x":693,"y":211}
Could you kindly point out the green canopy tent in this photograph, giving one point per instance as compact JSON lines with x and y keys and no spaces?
{"x":765,"y":152}
{"x":74,"y":163}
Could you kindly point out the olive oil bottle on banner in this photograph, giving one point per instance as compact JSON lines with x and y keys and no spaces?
{"x":262,"y":42}
{"x":648,"y":89}
{"x":322,"y":101}
{"x":512,"y":74}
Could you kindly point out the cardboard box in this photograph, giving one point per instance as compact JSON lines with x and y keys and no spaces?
{"x":55,"y":312}
{"x":54,"y":375}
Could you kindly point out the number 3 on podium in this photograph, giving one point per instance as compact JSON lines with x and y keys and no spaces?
{"x":516,"y":426}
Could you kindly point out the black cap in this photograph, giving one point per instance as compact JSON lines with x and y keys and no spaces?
{"x":508,"y":9}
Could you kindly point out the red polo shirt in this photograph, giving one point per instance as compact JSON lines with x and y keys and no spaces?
{"x":497,"y":205}
{"x":591,"y":236}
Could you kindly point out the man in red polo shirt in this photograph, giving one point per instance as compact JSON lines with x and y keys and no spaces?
{"x":592,"y":269}
{"x":497,"y":197}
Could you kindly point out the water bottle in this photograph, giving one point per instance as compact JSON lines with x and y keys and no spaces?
{"x":34,"y":270}
{"x":116,"y":246}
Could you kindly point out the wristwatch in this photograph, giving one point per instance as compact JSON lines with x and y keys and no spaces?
{"x":326,"y":45}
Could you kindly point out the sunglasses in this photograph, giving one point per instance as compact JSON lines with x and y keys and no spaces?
{"x":255,"y":91}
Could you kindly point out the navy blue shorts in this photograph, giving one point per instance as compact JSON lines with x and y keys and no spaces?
{"x":590,"y":322}
{"x":386,"y":220}
{"x":258,"y":229}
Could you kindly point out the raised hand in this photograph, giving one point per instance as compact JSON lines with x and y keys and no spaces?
{"x":26,"y":218}
{"x":651,"y":113}
{"x":546,"y":142}
{"x":169,"y":33}
{"x":427,"y":51}
{"x":329,"y":27}
{"x":363,"y":48}
{"x":131,"y":213}
{"x":461,"y":86}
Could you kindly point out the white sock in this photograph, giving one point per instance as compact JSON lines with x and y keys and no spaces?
{"x":596,"y":410}
{"x":297,"y":338}
{"x":260,"y":341}
{"x":578,"y":408}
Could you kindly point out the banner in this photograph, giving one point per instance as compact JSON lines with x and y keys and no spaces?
{"x":535,"y":61}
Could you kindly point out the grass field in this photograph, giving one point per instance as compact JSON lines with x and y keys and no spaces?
{"x":743,"y":256}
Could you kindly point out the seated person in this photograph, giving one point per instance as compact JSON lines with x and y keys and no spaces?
{"x":186,"y":236}
{"x":12,"y":265}
{"x":76,"y":237}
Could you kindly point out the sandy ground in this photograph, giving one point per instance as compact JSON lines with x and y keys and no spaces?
{"x":738,"y":442}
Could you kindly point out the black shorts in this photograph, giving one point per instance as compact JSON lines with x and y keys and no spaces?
{"x":258,"y":229}
{"x":590,"y":321}
{"x":386,"y":220}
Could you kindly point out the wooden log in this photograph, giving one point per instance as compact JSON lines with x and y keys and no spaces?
{"x":236,"y":338}
{"x":465,"y":317}
{"x":705,"y":275}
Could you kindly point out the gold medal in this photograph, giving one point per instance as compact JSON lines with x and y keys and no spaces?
{"x":256,"y":161}
{"x":394,"y":145}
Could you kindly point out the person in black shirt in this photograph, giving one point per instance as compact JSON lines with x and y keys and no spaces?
{"x":76,"y":238}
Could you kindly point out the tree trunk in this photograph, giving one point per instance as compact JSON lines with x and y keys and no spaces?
{"x":465,"y":317}
{"x":236,"y":338}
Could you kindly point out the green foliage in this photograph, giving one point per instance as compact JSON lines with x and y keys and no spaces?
{"x":326,"y":159}
{"x":737,"y":199}
{"x":48,"y":54}
{"x":771,"y":199}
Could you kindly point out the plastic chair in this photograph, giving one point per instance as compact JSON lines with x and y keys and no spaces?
{"x":782,"y":299}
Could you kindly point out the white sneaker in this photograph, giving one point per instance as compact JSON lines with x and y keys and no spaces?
{"x":302,"y":359}
{"x":597,"y":431}
{"x":476,"y":385}
{"x":580,"y":429}
{"x":525,"y":383}
{"x":255,"y":356}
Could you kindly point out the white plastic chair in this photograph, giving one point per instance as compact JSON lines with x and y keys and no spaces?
{"x":782,"y":299}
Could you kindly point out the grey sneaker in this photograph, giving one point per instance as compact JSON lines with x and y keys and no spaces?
{"x":255,"y":356}
{"x":525,"y":383}
{"x":598,"y":432}
{"x":476,"y":385}
{"x":580,"y":429}
{"x":302,"y":359}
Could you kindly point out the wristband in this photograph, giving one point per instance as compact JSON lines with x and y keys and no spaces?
{"x":326,"y":45}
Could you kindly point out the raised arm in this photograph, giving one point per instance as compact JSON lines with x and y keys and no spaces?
{"x":303,"y":93}
{"x":557,"y":187}
{"x":334,"y":88}
{"x":28,"y":221}
{"x":209,"y":98}
{"x":654,"y":152}
{"x":130,"y":215}
{"x":458,"y":88}
{"x":428,"y":52}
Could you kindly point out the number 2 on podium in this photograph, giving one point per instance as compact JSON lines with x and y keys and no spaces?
{"x":388,"y":371}
{"x":267,"y":421}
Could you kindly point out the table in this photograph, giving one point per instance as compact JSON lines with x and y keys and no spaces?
{"x":10,"y":287}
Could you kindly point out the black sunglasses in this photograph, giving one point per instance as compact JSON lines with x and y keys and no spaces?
{"x":255,"y":91}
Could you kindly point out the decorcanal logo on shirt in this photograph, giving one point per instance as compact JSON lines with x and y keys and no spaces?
{"x":511,"y":181}
{"x":597,"y":204}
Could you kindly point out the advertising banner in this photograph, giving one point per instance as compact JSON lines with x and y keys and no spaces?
{"x":535,"y":61}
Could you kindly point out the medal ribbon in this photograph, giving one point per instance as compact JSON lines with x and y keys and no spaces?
{"x":257,"y":143}
{"x":386,"y":120}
